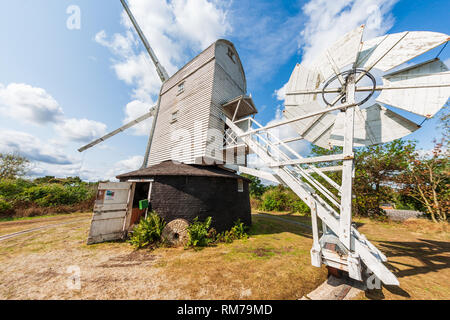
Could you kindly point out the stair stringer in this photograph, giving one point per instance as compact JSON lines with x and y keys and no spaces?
{"x":368,"y":253}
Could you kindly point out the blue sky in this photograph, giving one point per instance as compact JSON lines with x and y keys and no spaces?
{"x":60,"y":88}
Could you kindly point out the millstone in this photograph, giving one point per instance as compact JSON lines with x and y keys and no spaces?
{"x":175,"y":233}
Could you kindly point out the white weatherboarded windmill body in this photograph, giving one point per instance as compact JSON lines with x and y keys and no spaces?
{"x":329,"y":103}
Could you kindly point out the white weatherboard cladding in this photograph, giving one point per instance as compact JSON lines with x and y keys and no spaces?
{"x":198,"y":107}
{"x":233,"y":67}
{"x":192,"y":107}
{"x":189,"y":68}
{"x":302,"y":78}
{"x":374,"y":125}
{"x":422,"y":101}
{"x":229,"y":83}
{"x":342,"y":53}
{"x":317,"y":129}
{"x":395,"y":49}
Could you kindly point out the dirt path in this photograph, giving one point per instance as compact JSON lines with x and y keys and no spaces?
{"x":9,"y":227}
{"x":272,"y":264}
{"x":15,"y":234}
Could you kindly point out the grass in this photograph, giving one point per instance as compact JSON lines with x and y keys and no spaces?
{"x":274,"y":263}
{"x":418,"y":253}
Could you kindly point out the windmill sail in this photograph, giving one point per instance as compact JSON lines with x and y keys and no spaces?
{"x":376,"y":125}
{"x":315,"y":130}
{"x":390,"y":51}
{"x":342,"y":53}
{"x":123,"y":128}
{"x":162,"y":73}
{"x":422,"y":89}
{"x":303,"y":78}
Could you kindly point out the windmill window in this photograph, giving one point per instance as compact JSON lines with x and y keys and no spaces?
{"x":240,"y":185}
{"x":231,"y":54}
{"x":181,"y":88}
{"x":174,"y":117}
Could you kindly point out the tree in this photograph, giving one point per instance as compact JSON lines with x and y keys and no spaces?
{"x":445,"y":125}
{"x":375,"y":169}
{"x":427,"y":179}
{"x":13,"y":166}
{"x":256,"y":187}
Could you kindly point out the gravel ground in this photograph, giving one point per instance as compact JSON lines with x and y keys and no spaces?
{"x":402,"y":215}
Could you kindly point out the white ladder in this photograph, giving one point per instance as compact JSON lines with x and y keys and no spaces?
{"x":288,"y":170}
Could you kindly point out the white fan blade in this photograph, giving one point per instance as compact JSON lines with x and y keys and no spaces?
{"x":375,"y":125}
{"x":302,"y":78}
{"x":342,"y":53}
{"x":317,"y":129}
{"x":392,"y":50}
{"x":419,"y":95}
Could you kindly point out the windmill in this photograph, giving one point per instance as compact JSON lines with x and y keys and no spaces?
{"x":182,"y":174}
{"x":329,"y":103}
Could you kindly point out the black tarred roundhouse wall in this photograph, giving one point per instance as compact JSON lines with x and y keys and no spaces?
{"x":182,"y":191}
{"x":188,"y":197}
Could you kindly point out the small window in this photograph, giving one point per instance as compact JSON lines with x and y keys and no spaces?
{"x":181,"y":88}
{"x":240,"y":185}
{"x":174,"y":116}
{"x":230,"y":53}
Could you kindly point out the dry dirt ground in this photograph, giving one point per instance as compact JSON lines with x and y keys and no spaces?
{"x":418,"y":253}
{"x":272,"y":264}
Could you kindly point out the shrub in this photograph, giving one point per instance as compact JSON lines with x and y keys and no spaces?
{"x":51,"y":195}
{"x":148,"y":231}
{"x":4,"y":206}
{"x":237,"y":232}
{"x":282,"y":199}
{"x":198,"y":233}
{"x":11,"y":189}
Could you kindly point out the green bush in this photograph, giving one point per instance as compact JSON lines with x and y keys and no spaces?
{"x":11,"y":189}
{"x":198,"y":233}
{"x":51,"y":195}
{"x":237,"y":232}
{"x":4,"y":206}
{"x":282,"y":199}
{"x":148,"y":231}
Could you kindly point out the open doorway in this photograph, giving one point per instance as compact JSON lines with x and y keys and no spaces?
{"x":142,"y":192}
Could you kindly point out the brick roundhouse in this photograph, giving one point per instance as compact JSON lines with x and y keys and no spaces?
{"x":187,"y":191}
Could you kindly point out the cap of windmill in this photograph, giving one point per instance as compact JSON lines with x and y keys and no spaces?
{"x":421,"y":89}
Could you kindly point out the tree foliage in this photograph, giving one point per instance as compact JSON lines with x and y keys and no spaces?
{"x":280,"y":198}
{"x":375,"y":170}
{"x":427,"y":180}
{"x":256,"y":187}
{"x":13,"y":166}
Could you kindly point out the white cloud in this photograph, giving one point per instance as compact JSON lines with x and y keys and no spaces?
{"x":80,"y":130}
{"x":175,"y":29}
{"x":200,"y":22}
{"x":32,"y":148}
{"x":281,"y":93}
{"x":124,"y":166}
{"x":40,"y":169}
{"x":330,"y":20}
{"x":327,"y":21}
{"x":286,"y":132}
{"x":23,"y":102}
{"x":135,"y":109}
